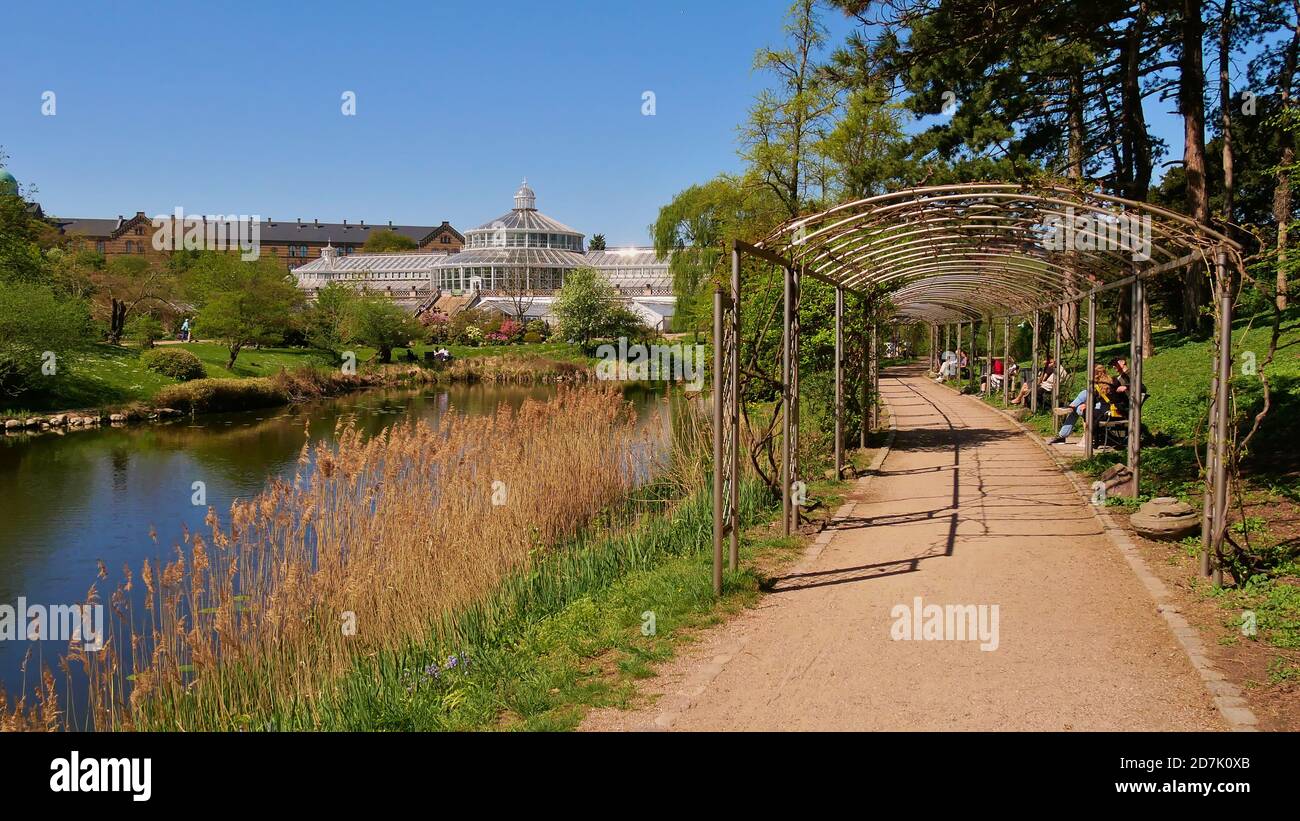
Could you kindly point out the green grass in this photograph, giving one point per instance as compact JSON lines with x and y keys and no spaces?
{"x":109,"y":376}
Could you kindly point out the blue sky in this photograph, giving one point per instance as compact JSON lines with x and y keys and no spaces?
{"x":235,"y":108}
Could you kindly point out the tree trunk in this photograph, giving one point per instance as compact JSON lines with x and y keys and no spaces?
{"x":234,"y":354}
{"x":116,"y":321}
{"x":1191,"y":103}
{"x":385,"y":354}
{"x":1225,"y":105}
{"x":1282,"y":193}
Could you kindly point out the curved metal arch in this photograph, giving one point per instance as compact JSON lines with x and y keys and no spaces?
{"x":991,"y":236}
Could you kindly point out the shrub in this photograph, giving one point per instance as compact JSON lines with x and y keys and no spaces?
{"x":532,"y":338}
{"x":209,"y":395}
{"x":539,"y":327}
{"x":34,"y":323}
{"x":177,"y":363}
{"x":145,"y":329}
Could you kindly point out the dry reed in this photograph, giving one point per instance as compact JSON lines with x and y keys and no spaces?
{"x":388,"y":535}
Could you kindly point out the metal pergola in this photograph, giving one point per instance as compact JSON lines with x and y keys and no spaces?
{"x":948,"y":256}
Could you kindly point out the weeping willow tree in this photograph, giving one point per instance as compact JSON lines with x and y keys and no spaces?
{"x":695,"y":228}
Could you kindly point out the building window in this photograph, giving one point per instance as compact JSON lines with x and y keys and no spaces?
{"x":99,"y":246}
{"x":445,"y":240}
{"x":130,"y":247}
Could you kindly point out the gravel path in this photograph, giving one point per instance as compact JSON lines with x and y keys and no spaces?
{"x":964,"y":511}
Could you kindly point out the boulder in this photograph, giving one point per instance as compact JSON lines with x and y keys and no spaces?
{"x":1166,"y":519}
{"x":34,"y":422}
{"x":58,"y":420}
{"x":13,"y":424}
{"x":118,"y":418}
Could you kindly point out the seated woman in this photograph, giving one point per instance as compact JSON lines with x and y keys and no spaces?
{"x":999,"y":371}
{"x":1101,"y":387}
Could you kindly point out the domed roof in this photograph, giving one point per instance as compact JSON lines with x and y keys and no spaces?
{"x":525,"y":199}
{"x":8,"y":184}
{"x":526,"y":217}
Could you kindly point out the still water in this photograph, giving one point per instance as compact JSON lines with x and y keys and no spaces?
{"x":68,"y":501}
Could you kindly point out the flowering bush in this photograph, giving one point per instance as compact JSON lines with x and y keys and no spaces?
{"x":474,"y":335}
{"x":511,"y":330}
{"x":436,"y":326}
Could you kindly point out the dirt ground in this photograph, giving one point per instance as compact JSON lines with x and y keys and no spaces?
{"x":1245,"y":663}
{"x":965,"y":512}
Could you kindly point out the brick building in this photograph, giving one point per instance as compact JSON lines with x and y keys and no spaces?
{"x":295,"y":243}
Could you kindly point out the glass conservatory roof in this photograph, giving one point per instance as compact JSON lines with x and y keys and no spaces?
{"x":525,"y":217}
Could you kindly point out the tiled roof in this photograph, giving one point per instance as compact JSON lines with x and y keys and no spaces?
{"x":281,"y":232}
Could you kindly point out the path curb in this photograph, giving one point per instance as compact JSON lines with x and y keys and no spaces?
{"x":1228,"y":697}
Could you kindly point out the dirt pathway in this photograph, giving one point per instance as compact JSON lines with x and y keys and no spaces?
{"x":965,"y":510}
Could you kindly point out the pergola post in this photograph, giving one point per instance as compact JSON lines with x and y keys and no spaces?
{"x":718,"y":401}
{"x":1090,"y":413}
{"x":865,"y":375}
{"x":988,"y":358}
{"x":873,"y":375}
{"x":786,"y":339}
{"x":1033,"y":369}
{"x":1138,"y":291}
{"x":1006,"y":361}
{"x":733,"y":408}
{"x":797,"y":291}
{"x":839,"y":382}
{"x":1221,"y":420}
{"x":1056,"y":359}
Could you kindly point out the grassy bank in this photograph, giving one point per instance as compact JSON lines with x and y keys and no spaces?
{"x":109,"y":377}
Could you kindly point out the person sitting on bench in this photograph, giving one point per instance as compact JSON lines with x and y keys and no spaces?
{"x":1122,"y":380}
{"x":1101,"y":385}
{"x":999,"y":371}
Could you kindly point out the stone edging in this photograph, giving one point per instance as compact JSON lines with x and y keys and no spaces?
{"x":1227,"y":696}
{"x":73,"y":421}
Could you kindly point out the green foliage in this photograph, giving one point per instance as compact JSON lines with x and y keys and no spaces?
{"x":174,"y":362}
{"x":38,"y":332}
{"x":145,"y":329}
{"x":325,"y":320}
{"x":383,"y":240}
{"x":242,"y":303}
{"x":380,"y":323}
{"x":588,"y":308}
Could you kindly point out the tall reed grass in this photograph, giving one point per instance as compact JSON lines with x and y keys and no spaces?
{"x":389,"y":536}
